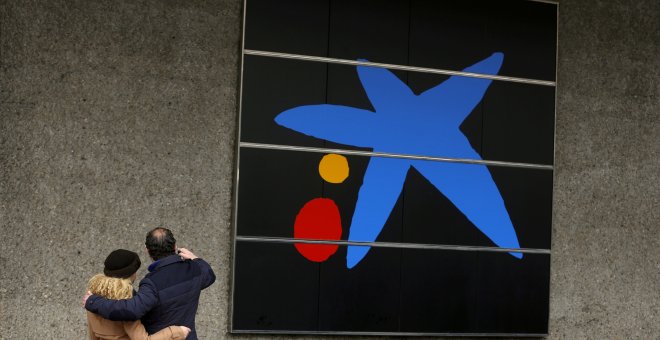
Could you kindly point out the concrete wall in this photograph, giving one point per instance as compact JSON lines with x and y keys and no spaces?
{"x":119,"y":116}
{"x":606,"y":233}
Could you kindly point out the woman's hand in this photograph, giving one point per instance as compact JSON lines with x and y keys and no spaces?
{"x":185,"y":330}
{"x":186,"y":254}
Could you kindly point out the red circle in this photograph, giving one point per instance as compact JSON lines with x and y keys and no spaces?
{"x":318,"y":219}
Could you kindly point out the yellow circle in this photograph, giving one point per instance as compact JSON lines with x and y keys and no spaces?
{"x":333,"y":168}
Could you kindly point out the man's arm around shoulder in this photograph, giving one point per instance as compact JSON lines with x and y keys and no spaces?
{"x":125,"y":310}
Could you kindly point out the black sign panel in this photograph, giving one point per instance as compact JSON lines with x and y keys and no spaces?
{"x":395,"y":167}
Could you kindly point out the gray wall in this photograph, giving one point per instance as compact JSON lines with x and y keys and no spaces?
{"x":119,"y":116}
{"x":606,"y":233}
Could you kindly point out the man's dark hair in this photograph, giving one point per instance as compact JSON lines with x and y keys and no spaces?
{"x":160,"y":243}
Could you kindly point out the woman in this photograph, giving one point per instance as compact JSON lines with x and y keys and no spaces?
{"x":116,"y":283}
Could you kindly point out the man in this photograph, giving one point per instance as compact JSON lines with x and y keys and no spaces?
{"x":168,"y":294}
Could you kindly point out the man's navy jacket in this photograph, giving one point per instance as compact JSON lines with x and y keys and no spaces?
{"x":168,"y":295}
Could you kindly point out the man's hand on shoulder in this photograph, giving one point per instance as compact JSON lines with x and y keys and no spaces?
{"x":186,"y":254}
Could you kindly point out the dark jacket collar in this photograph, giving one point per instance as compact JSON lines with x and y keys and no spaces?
{"x":164,"y":262}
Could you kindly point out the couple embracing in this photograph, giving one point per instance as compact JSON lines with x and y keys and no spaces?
{"x":166,"y":302}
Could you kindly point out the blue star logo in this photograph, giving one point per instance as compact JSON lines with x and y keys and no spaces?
{"x":406,"y":123}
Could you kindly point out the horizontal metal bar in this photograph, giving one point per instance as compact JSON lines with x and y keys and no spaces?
{"x":398,"y":67}
{"x":394,"y":155}
{"x":551,"y":2}
{"x":393,"y":245}
{"x":383,"y":334}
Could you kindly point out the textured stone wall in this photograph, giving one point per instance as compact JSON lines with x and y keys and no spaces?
{"x":119,"y":116}
{"x":606,"y":236}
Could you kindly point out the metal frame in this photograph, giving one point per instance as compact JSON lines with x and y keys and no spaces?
{"x":551,"y":2}
{"x":390,"y":334}
{"x":554,"y":154}
{"x":395,"y":245}
{"x":397,"y":67}
{"x":394,"y":155}
{"x":237,"y":161}
{"x":239,"y":144}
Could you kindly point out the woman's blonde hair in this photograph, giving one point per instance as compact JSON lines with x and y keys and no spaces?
{"x":111,"y":287}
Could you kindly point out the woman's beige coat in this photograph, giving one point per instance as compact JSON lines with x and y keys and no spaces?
{"x":100,"y":328}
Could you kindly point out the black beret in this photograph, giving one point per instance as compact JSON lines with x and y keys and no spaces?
{"x":121,"y":263}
